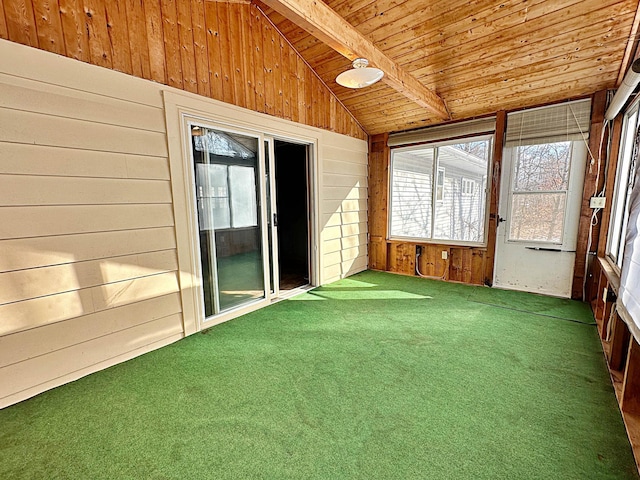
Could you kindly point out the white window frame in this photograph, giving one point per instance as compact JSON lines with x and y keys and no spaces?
{"x":514,"y":194}
{"x":436,"y":168}
{"x":620,"y":202}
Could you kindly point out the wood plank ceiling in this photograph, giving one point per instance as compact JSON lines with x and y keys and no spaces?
{"x":479,"y":56}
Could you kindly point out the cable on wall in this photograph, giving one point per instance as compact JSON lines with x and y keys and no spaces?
{"x":594,"y":214}
{"x":445,"y":273}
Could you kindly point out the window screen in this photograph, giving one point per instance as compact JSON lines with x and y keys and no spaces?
{"x":439,"y":192}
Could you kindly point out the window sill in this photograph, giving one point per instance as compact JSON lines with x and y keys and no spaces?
{"x":447,"y":243}
{"x":613,"y":277}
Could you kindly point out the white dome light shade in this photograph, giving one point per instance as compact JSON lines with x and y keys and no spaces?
{"x":360,"y":75}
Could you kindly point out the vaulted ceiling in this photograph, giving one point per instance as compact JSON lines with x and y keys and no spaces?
{"x":478,"y":56}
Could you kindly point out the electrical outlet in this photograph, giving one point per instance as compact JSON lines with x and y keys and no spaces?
{"x":445,"y":254}
{"x":597,"y":202}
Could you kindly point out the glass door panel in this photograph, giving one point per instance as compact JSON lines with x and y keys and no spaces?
{"x":227,"y":176}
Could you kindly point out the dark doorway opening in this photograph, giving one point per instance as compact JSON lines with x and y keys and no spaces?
{"x":292,"y":205}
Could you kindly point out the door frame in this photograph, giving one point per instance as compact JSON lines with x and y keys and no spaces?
{"x":572,"y":208}
{"x":311,"y":201}
{"x":180,"y":108}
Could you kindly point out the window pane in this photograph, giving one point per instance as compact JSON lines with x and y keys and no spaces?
{"x":619,"y":211}
{"x":440,"y":185}
{"x":542,"y":167}
{"x":411,"y":193}
{"x":226,"y":166}
{"x":461,"y":213}
{"x":244,"y":211}
{"x":213,"y":196}
{"x":537,"y":217}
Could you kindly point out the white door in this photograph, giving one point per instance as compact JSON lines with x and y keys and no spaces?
{"x":540,"y":199}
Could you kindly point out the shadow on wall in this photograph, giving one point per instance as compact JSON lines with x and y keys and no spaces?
{"x":53,"y":286}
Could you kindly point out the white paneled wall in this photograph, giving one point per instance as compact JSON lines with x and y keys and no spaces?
{"x":343,"y":214}
{"x":88,"y":256}
{"x":89,"y":247}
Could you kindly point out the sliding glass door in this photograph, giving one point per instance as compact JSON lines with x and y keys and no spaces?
{"x":227,"y":172}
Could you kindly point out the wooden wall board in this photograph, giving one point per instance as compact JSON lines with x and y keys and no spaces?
{"x":213,"y":49}
{"x":494,"y":196}
{"x":631,"y":386}
{"x":72,"y":19}
{"x":155,"y":39}
{"x":200,"y":47}
{"x":187,"y":47}
{"x":401,"y":257}
{"x":616,"y":137}
{"x":20,"y":20}
{"x":209,"y":48}
{"x":379,"y":156}
{"x":98,"y":33}
{"x":4,"y":33}
{"x":247,"y":65}
{"x":593,"y":173}
{"x":620,"y":338}
{"x":49,"y":26}
{"x":465,"y":264}
{"x":171,"y":39}
{"x":118,"y":30}
{"x":140,"y":63}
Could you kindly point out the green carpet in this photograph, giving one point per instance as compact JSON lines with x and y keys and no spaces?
{"x":377,"y":376}
{"x":562,"y":308}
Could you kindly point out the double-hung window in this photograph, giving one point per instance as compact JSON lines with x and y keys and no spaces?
{"x":624,"y":183}
{"x":540,"y":185}
{"x":439,"y":191}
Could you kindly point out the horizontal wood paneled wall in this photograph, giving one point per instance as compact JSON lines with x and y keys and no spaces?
{"x":88,"y":261}
{"x":89,"y":254}
{"x":465,"y":264}
{"x":343,"y":213}
{"x":228,"y":51}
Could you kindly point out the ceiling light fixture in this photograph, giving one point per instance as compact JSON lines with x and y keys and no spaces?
{"x":360,"y":75}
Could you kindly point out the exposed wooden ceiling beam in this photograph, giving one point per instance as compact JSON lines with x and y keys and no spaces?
{"x":326,"y":25}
